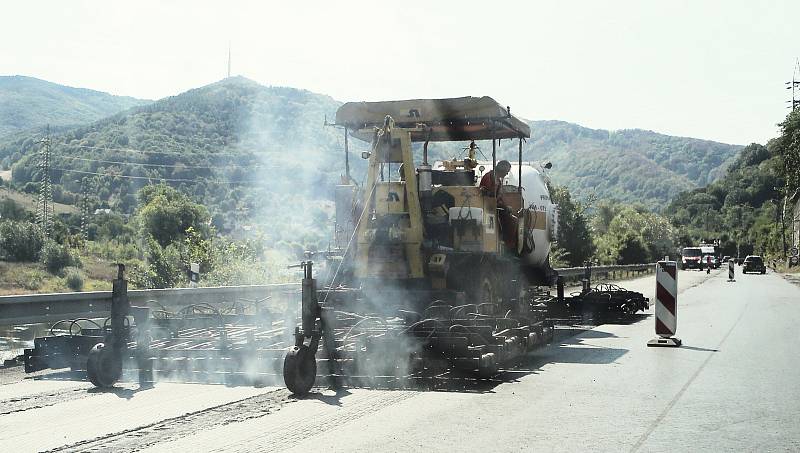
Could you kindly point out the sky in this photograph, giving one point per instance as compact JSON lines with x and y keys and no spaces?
{"x":707,"y":69}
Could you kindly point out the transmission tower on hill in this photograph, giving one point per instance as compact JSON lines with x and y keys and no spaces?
{"x":44,"y":205}
{"x":84,"y":212}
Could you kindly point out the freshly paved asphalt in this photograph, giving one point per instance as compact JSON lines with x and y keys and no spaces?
{"x":734,"y":385}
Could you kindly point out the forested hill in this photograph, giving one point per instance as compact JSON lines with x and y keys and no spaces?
{"x":746,"y":207}
{"x":27,"y":102}
{"x":741,"y":208}
{"x":628,"y":165}
{"x":248,"y":151}
{"x":252,"y":154}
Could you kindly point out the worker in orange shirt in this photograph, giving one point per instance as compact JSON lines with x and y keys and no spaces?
{"x":490,"y":185}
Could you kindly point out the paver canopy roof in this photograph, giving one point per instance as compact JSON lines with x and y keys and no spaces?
{"x":453,"y":119}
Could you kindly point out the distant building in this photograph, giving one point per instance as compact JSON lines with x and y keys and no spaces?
{"x":102,"y":211}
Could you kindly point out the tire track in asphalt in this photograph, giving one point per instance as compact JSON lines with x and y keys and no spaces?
{"x":290,"y":433}
{"x":185,"y":425}
{"x":278,"y":437}
{"x":44,"y":399}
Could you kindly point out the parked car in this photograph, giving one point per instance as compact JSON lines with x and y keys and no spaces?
{"x":754,"y":263}
{"x":725,"y":259}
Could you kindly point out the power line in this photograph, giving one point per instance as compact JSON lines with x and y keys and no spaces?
{"x":241,"y":154}
{"x":143,"y":164}
{"x":244,"y":153}
{"x":156,"y":178}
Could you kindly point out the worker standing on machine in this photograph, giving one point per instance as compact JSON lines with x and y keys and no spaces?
{"x":491,"y":186}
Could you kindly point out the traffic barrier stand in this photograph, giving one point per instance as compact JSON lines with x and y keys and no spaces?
{"x":666,"y":305}
{"x":731,"y":271}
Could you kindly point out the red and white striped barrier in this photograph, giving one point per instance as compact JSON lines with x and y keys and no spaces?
{"x":666,"y":304}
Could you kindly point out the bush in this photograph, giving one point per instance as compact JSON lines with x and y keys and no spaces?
{"x":11,"y":210}
{"x":56,"y":257}
{"x":31,"y":280}
{"x":74,"y":279}
{"x":20,"y":241}
{"x":162,"y":267}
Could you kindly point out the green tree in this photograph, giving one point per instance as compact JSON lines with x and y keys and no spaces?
{"x":632,"y":250}
{"x":788,"y":145}
{"x":20,"y":241}
{"x":162,"y":267}
{"x":11,"y":210}
{"x":574,"y":236}
{"x":56,"y":257}
{"x":633,"y":235}
{"x":166,"y":214}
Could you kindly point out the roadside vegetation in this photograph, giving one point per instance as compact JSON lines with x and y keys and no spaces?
{"x":158,"y":243}
{"x":608,"y":232}
{"x":747,"y":209}
{"x":245,"y":174}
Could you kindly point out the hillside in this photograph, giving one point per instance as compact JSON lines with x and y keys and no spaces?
{"x":630,"y":166}
{"x":27,"y":102}
{"x":746,"y":207}
{"x":633,"y":166}
{"x":254,"y":154}
{"x":741,"y":208}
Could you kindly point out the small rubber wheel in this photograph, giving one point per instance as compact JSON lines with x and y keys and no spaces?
{"x":299,"y":370}
{"x":102,"y":368}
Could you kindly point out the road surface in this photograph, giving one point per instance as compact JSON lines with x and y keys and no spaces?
{"x":733,"y":386}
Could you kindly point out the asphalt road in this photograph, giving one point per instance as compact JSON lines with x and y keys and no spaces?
{"x":733,"y":386}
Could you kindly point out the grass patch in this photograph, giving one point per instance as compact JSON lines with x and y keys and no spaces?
{"x":28,"y":201}
{"x":33,"y":278}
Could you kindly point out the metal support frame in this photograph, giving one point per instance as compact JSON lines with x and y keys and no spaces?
{"x":346,"y":156}
{"x":387,"y":140}
{"x":519,"y":169}
{"x":119,"y":336}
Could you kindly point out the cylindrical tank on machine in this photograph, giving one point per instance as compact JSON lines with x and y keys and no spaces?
{"x":543,"y":227}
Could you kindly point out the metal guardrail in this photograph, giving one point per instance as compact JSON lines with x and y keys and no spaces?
{"x":569,"y":272}
{"x":35,"y":308}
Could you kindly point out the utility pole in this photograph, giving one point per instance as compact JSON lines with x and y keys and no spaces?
{"x":794,"y":85}
{"x":44,"y":205}
{"x":229,"y":59}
